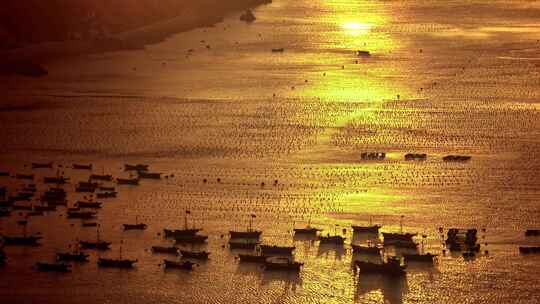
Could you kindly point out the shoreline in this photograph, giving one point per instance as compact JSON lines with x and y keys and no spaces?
{"x":28,"y":61}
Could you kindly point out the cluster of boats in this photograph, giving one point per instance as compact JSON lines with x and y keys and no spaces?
{"x":414,"y":157}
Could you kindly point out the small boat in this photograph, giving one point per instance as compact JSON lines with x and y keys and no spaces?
{"x":72,"y":256}
{"x":243,"y":244}
{"x":89,"y":224}
{"x":245,"y":234}
{"x":366,"y":229}
{"x":102,"y":177}
{"x":139,"y":226}
{"x":372,"y":250}
{"x":248,"y":16}
{"x":4,"y":173}
{"x":31,"y":240}
{"x":187,"y":265}
{"x":87,"y":204}
{"x":306,"y":231}
{"x":107,"y":195}
{"x":279,"y":263}
{"x":276,"y":250}
{"x":81,"y":214}
{"x":199,"y":255}
{"x":82,"y":167}
{"x":104,"y":188}
{"x":42,"y":165}
{"x":53,"y":267}
{"x":165,"y":249}
{"x":85,"y":189}
{"x":363,"y":53}
{"x":415,"y":156}
{"x":88,"y":185}
{"x":128,"y":181}
{"x":24,"y":176}
{"x":334,"y":239}
{"x":419,"y":257}
{"x":191,"y":239}
{"x":149,"y":175}
{"x":278,"y":50}
{"x":100,"y":245}
{"x":391,"y":267}
{"x":55,"y":179}
{"x":532,"y":232}
{"x":116,"y":263}
{"x":252,"y":258}
{"x":456,"y":158}
{"x":137,"y":167}
{"x":373,"y":155}
{"x":529,"y":249}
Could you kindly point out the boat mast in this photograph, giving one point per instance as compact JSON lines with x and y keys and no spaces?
{"x":401,"y":225}
{"x":251,"y":222}
{"x":185,"y":219}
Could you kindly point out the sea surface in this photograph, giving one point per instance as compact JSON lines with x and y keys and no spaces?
{"x":240,"y":130}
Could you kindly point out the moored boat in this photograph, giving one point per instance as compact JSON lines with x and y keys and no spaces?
{"x":165,"y":249}
{"x":306,"y":231}
{"x":139,"y":226}
{"x":284,"y":264}
{"x":127,"y":181}
{"x":276,"y":250}
{"x":252,"y":258}
{"x":109,"y":194}
{"x":191,"y":239}
{"x":372,"y":250}
{"x":102,"y":177}
{"x":30,"y":240}
{"x":53,"y":267}
{"x":82,"y":167}
{"x":245,"y":234}
{"x":72,"y":256}
{"x":100,"y":245}
{"x":391,"y":267}
{"x":390,"y":236}
{"x":199,"y":255}
{"x":42,"y":165}
{"x":81,"y":214}
{"x":187,"y":265}
{"x":137,"y":167}
{"x":88,"y":204}
{"x":243,"y":244}
{"x":116,"y":263}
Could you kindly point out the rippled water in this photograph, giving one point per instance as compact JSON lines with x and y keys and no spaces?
{"x":452,"y":77}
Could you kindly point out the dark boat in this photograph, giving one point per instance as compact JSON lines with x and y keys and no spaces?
{"x":372,"y":155}
{"x":255,"y":234}
{"x":86,"y":204}
{"x":278,"y":50}
{"x":398,"y":236}
{"x":419,"y":257}
{"x":104,"y":188}
{"x":100,"y":245}
{"x":107,"y":194}
{"x":366,"y":229}
{"x":88,"y":185}
{"x":199,"y":255}
{"x":191,"y":239}
{"x":334,"y":239}
{"x":81,"y":214}
{"x":391,"y":267}
{"x":361,"y":53}
{"x":243,"y":244}
{"x":276,"y":250}
{"x":53,"y":267}
{"x":103,"y":177}
{"x":31,"y":240}
{"x":532,"y":232}
{"x":42,"y":165}
{"x":82,"y":167}
{"x":85,"y":189}
{"x":90,"y":224}
{"x":128,"y":181}
{"x":149,"y":175}
{"x":187,"y":265}
{"x":415,"y":156}
{"x":529,"y":249}
{"x":456,"y":158}
{"x":116,"y":263}
{"x":24,"y":176}
{"x":165,"y":249}
{"x":284,"y":264}
{"x":55,"y":180}
{"x":180,"y":232}
{"x":139,"y":226}
{"x":137,"y":167}
{"x":4,"y":173}
{"x":252,"y":258}
{"x":72,"y":256}
{"x":306,"y":231}
{"x":357,"y":249}
{"x":248,"y":16}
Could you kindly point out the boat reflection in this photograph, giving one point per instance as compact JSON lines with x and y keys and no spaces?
{"x":290,"y":279}
{"x":327,"y":250}
{"x":392,"y":289}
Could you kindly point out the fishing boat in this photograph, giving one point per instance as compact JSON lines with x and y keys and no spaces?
{"x":249,"y":234}
{"x":243,"y":244}
{"x":149,"y":175}
{"x":332,"y":239}
{"x":362,"y":53}
{"x":392,"y":267}
{"x":306,"y":231}
{"x":89,"y":224}
{"x":199,"y":255}
{"x":116,"y":263}
{"x":4,"y":173}
{"x":165,"y":249}
{"x":75,"y":256}
{"x":415,"y":156}
{"x":30,"y":240}
{"x":187,"y":265}
{"x":85,"y":189}
{"x":102,"y":177}
{"x":529,"y":249}
{"x":366,"y":229}
{"x":137,"y":167}
{"x":276,"y":250}
{"x":398,"y":236}
{"x":110,"y":194}
{"x":532,"y":232}
{"x":419,"y":257}
{"x":284,"y":264}
{"x":456,"y":158}
{"x":278,"y":50}
{"x":82,"y":167}
{"x":92,"y":185}
{"x":81,"y":214}
{"x":55,"y":179}
{"x":42,"y":165}
{"x":139,"y":226}
{"x":100,"y":245}
{"x":127,"y":181}
{"x":371,"y":250}
{"x":89,"y":204}
{"x":252,"y":258}
{"x":53,"y":267}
